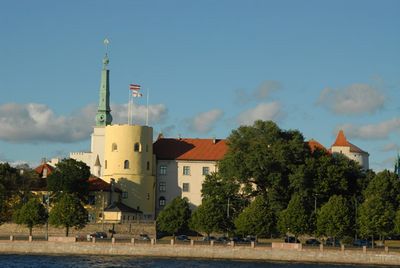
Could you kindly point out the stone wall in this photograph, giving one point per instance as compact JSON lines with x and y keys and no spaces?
{"x":122,"y":230}
{"x":192,"y":250}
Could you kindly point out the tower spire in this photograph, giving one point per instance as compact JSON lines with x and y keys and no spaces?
{"x":103,"y":116}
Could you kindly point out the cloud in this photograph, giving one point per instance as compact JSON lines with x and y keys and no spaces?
{"x":33,"y":122}
{"x":390,"y":147}
{"x":262,"y":92}
{"x":352,"y":100}
{"x":378,"y":131}
{"x":263,"y":111}
{"x":204,"y":122}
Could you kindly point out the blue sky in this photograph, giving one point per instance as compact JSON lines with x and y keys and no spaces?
{"x":210,"y":66}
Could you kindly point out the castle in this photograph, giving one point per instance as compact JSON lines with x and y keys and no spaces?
{"x":146,"y":175}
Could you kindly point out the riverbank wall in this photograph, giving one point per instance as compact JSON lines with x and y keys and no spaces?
{"x":191,"y":250}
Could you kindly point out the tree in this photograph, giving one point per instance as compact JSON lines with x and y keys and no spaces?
{"x":31,"y":213}
{"x":386,"y":185}
{"x":257,"y":219}
{"x":375,"y":217}
{"x":295,"y":219}
{"x":208,"y":217}
{"x":174,"y":217}
{"x":70,"y":176}
{"x":334,"y":218}
{"x":261,"y":157}
{"x":10,"y":195}
{"x":227,"y":198}
{"x":397,"y":223}
{"x":68,"y":212}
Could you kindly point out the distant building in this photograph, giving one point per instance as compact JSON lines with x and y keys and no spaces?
{"x":182,"y":165}
{"x":343,"y":146}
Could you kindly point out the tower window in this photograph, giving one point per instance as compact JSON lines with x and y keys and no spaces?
{"x":105,"y":164}
{"x":136,"y":147}
{"x":126,"y":164}
{"x":148,"y":165}
{"x":114,"y":147}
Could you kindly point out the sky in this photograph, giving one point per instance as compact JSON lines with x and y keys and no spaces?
{"x":208,"y":66}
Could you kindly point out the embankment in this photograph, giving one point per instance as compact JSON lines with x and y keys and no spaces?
{"x":191,"y":250}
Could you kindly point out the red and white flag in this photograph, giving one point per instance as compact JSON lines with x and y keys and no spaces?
{"x":134,"y":87}
{"x":136,"y":94}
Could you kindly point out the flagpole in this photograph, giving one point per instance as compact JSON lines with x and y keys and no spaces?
{"x":147,"y":109}
{"x":129,"y":108}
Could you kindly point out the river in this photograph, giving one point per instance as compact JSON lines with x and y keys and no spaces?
{"x":12,"y":260}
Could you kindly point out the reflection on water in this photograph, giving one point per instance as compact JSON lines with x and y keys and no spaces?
{"x":11,"y":260}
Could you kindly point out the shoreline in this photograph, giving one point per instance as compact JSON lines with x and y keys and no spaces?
{"x":192,"y":251}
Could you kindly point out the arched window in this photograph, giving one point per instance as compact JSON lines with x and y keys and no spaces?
{"x":148,"y":165}
{"x":105,"y":164}
{"x":136,"y":147}
{"x":161,"y":201}
{"x":114,"y":147}
{"x":126,"y":164}
{"x":147,"y":147}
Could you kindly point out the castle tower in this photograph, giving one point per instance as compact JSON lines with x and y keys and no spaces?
{"x":342,"y":146}
{"x":129,"y":161}
{"x":103,"y":116}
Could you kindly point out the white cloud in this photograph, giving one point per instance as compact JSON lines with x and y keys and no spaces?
{"x":263,"y":111}
{"x":372,"y":131}
{"x":35,"y":122}
{"x":390,"y":147}
{"x":205,"y":122}
{"x":354,"y":99}
{"x":262,"y":92}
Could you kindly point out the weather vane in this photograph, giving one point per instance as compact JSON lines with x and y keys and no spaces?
{"x":106,"y":42}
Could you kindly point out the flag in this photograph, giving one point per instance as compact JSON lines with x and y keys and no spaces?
{"x":136,"y":94}
{"x":134,"y":87}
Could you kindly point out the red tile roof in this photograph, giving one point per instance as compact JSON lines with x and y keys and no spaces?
{"x":190,"y":149}
{"x":313,"y":144}
{"x":342,"y":141}
{"x":39,"y":169}
{"x":96,"y":185}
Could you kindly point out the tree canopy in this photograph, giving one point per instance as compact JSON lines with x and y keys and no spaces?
{"x":70,"y":176}
{"x":209,"y":217}
{"x":30,"y":214}
{"x":175,"y":216}
{"x":68,"y":212}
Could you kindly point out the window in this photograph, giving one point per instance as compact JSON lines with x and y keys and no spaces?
{"x":148,"y":165}
{"x":124,"y":195}
{"x":100,"y":215}
{"x":136,"y":147}
{"x":162,"y":186}
{"x":185,"y":187}
{"x":186,"y":170}
{"x":206,"y":170}
{"x":163,"y":170}
{"x":105,"y":164}
{"x":161,"y":201}
{"x":126,"y":164}
{"x":114,"y":147}
{"x":147,"y":147}
{"x":148,"y":196}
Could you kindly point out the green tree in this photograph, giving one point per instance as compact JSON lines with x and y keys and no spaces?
{"x":68,"y":212}
{"x":386,"y":185}
{"x":256,"y":219}
{"x":295,"y":219}
{"x":70,"y":176}
{"x":174,"y":217}
{"x":208,"y":217}
{"x":10,"y":194}
{"x":397,"y":223}
{"x":375,"y":217}
{"x":227,"y":197}
{"x":31,"y":213}
{"x":333,"y":219}
{"x":261,"y":157}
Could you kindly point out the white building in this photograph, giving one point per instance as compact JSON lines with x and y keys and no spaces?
{"x":182,"y":165}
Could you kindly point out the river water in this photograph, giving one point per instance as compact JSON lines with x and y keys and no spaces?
{"x":12,"y":260}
